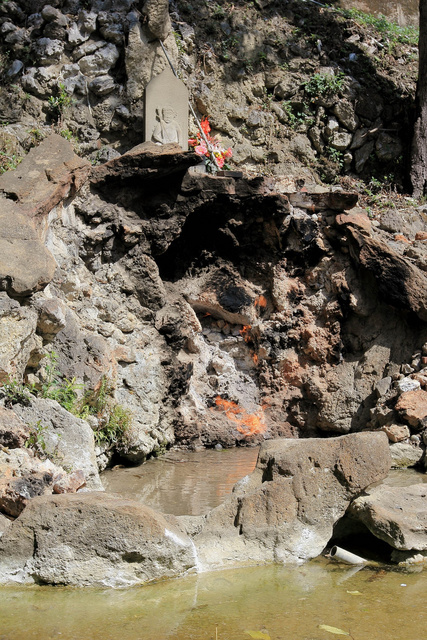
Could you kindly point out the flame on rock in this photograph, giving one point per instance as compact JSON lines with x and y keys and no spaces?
{"x":245,"y":332}
{"x":249,"y":424}
{"x":261,"y":302}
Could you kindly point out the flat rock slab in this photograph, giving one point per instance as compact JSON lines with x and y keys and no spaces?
{"x":48,"y":174}
{"x":92,"y":539}
{"x":397,"y":515}
{"x":146,"y":160}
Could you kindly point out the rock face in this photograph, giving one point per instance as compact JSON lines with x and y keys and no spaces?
{"x":68,"y":440}
{"x":397,"y":515}
{"x":92,"y":539}
{"x":285,"y":511}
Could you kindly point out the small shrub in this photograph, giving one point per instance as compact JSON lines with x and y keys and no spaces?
{"x":36,"y":440}
{"x":58,"y":104}
{"x":324,"y":85}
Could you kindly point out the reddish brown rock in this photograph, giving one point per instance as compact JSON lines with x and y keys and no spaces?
{"x":357,"y":219}
{"x":48,"y":174}
{"x":412,"y":407}
{"x":421,"y":235}
{"x":15,"y":493}
{"x":70,"y":483}
{"x":396,"y":432}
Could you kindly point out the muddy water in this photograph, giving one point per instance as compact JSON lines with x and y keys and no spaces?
{"x":183,"y":483}
{"x":405,"y":13}
{"x":280,"y":603}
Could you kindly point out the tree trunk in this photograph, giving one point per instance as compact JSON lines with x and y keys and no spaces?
{"x":418,"y":174}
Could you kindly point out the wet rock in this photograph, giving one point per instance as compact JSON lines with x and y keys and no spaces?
{"x":92,"y":539}
{"x":286,"y":509}
{"x":405,"y":455}
{"x":397,"y":515}
{"x":13,"y":431}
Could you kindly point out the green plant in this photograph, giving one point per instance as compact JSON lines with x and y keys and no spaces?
{"x":8,"y":162}
{"x":179,"y":42}
{"x":114,"y":421}
{"x":324,"y":85}
{"x":36,"y":439}
{"x":15,"y":392}
{"x":58,"y":104}
{"x":336,"y":156}
{"x":297,"y":115}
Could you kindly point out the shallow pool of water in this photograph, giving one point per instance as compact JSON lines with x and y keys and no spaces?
{"x":183,"y":482}
{"x":281,"y":603}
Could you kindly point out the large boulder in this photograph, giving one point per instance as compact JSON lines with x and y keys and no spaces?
{"x":68,"y":440}
{"x":92,"y":539}
{"x":285,"y":511}
{"x":17,"y":337}
{"x":397,"y":515}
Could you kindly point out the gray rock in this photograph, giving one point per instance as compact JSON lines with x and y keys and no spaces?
{"x":387,"y":147}
{"x":362,"y":155}
{"x":383,"y":386}
{"x":69,"y":440}
{"x":157,"y":12}
{"x":49,"y":51}
{"x":17,"y":337}
{"x":13,"y":431}
{"x":344,"y":111}
{"x":100,"y":62}
{"x":102,"y":85}
{"x":50,"y":14}
{"x":285,"y":511}
{"x":408,"y":384}
{"x":397,"y":515}
{"x":92,"y":539}
{"x":405,"y":455}
{"x":340,"y":140}
{"x":80,"y":31}
{"x":15,"y":68}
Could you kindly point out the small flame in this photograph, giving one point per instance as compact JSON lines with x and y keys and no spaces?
{"x":249,"y":424}
{"x":261,"y":302}
{"x":245,"y":332}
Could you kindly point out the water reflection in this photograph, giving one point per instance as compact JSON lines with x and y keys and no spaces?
{"x":183,"y":482}
{"x":286,"y":603}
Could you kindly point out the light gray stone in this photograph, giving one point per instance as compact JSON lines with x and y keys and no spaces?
{"x":166,"y":110}
{"x":405,"y":455}
{"x":49,"y":51}
{"x":408,"y":384}
{"x":100,"y":62}
{"x":344,"y":111}
{"x":92,"y":539}
{"x":68,"y":439}
{"x":397,"y":515}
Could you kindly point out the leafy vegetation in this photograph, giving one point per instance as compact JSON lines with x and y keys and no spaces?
{"x":58,"y":104}
{"x":324,"y":85}
{"x":36,"y":440}
{"x":387,"y":29}
{"x":113,"y":422}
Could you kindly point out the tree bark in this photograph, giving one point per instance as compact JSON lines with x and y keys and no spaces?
{"x":418,"y":172}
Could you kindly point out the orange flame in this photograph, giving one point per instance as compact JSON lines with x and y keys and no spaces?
{"x":261,"y":302}
{"x":249,"y":424}
{"x":245,"y":332}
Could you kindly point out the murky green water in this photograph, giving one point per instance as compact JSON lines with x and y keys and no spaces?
{"x":282,"y":603}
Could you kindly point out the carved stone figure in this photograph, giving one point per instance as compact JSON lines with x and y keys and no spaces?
{"x":166,"y":110}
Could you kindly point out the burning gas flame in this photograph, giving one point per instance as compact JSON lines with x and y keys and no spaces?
{"x":261,"y":302}
{"x":245,"y":332}
{"x":249,"y":424}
